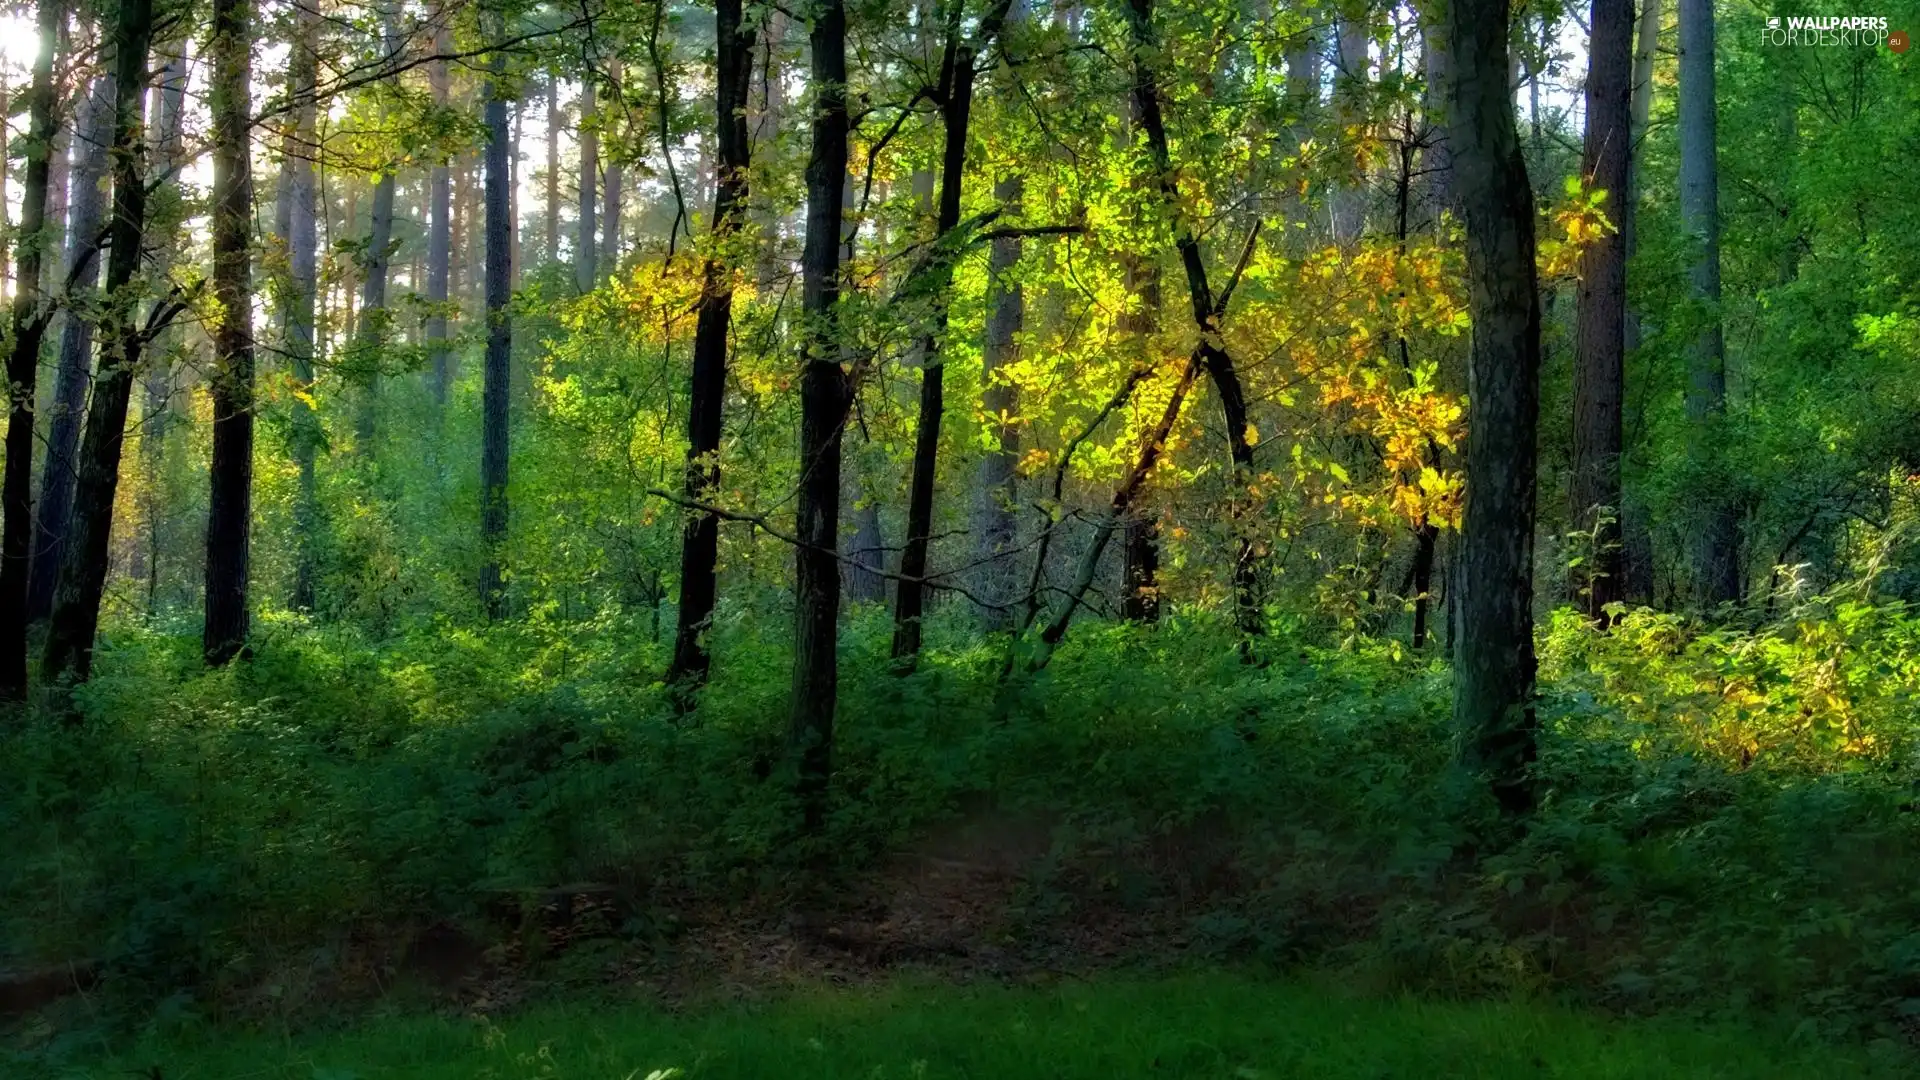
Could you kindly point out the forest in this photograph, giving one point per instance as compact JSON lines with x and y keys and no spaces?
{"x":1338,"y":538}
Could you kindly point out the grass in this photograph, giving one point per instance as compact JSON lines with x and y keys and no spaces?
{"x":1212,"y":1025}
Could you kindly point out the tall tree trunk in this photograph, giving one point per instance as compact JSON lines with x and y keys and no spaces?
{"x":609,"y":254}
{"x":1437,"y":60}
{"x":440,"y":226}
{"x":230,"y":495}
{"x":585,"y":267}
{"x":1493,"y":658}
{"x":83,"y":570}
{"x":994,"y":524}
{"x":1636,"y":534}
{"x":157,"y":410}
{"x":302,"y":272}
{"x":1599,"y":371}
{"x":31,"y":313}
{"x":1716,"y":568}
{"x":553,"y":168}
{"x":957,"y":78}
{"x":497,"y":382}
{"x":1219,"y":364}
{"x":700,"y":540}
{"x":824,"y":398}
{"x":772,"y":113}
{"x":373,"y":334}
{"x":86,"y":209}
{"x":1350,"y":92}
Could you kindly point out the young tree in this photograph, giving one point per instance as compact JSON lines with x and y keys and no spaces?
{"x":230,"y":497}
{"x":31,"y":313}
{"x":824,"y":398}
{"x":1716,"y":567}
{"x":1599,"y":370}
{"x":1493,"y":657}
{"x":83,"y":569}
{"x":497,"y":380}
{"x":699,"y":544}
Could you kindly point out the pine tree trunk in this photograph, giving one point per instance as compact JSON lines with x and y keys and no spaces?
{"x":31,"y":312}
{"x":553,"y":168}
{"x":585,"y":267}
{"x":83,"y":570}
{"x":157,"y":409}
{"x":302,"y":271}
{"x":609,"y":253}
{"x":700,"y":540}
{"x":86,"y":211}
{"x":440,"y":231}
{"x":1493,"y":657}
{"x":824,"y":398}
{"x":230,"y":493}
{"x":498,"y":375}
{"x":1437,"y":62}
{"x":1599,"y":371}
{"x":1716,"y":566}
{"x":373,"y":333}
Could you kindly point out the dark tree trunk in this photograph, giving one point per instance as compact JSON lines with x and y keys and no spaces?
{"x":997,"y":494}
{"x":1716,"y":568}
{"x":585,"y":268}
{"x":230,"y":490}
{"x":1426,"y":537}
{"x":956,"y":90}
{"x":700,"y":541}
{"x":1140,"y":600}
{"x":824,"y":398}
{"x":1493,"y":658}
{"x":440,"y":229}
{"x":1599,"y":370}
{"x":83,"y":570}
{"x":302,"y":74}
{"x":498,"y":375}
{"x":1218,"y":363}
{"x":31,"y":313}
{"x":85,"y":212}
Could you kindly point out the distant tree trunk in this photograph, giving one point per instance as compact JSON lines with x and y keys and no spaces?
{"x":773,"y":98}
{"x":824,"y":397}
{"x":83,"y":571}
{"x":372,"y":336}
{"x":1437,"y":60}
{"x":302,"y":75}
{"x":1140,"y":550}
{"x":957,"y":78}
{"x":1636,"y":536}
{"x":516,"y":115}
{"x":157,"y":412}
{"x":31,"y":313}
{"x":1493,"y":657}
{"x":440,"y":229}
{"x":1716,"y":568}
{"x":1350,"y":110}
{"x":230,"y":498}
{"x":1599,"y":371}
{"x":86,"y":209}
{"x":585,"y":268}
{"x":997,"y":494}
{"x":609,"y":255}
{"x":553,"y":168}
{"x":1219,"y":364}
{"x":700,"y":540}
{"x":497,"y":383}
{"x":1140,"y":598}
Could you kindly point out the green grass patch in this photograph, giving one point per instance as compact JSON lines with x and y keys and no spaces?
{"x":1193,"y":1026}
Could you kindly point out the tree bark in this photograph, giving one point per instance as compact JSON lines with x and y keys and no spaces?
{"x":83,"y":570}
{"x":994,"y":524}
{"x":371,"y":338}
{"x":956,"y":92}
{"x":554,"y":122}
{"x":1493,"y":657}
{"x":1599,"y":369}
{"x":497,"y":378}
{"x":700,"y":539}
{"x":230,"y":490}
{"x":302,"y":226}
{"x":440,"y":227}
{"x":1636,"y":535}
{"x":585,"y":269}
{"x":85,"y":211}
{"x":609,"y":253}
{"x":1437,"y":60}
{"x":1716,"y":567}
{"x":824,"y":398}
{"x":31,"y":313}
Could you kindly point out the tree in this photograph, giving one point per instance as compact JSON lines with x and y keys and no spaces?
{"x":1716,"y":565}
{"x":1599,"y":371}
{"x":585,"y":268}
{"x":1493,"y":656}
{"x":83,"y":569}
{"x":376,"y":263}
{"x":824,"y":397}
{"x":86,"y":209}
{"x":993,"y":521}
{"x":230,"y":500}
{"x":303,"y":285}
{"x":707,"y":386}
{"x":31,"y":314}
{"x":497,"y":378}
{"x":956,"y":105}
{"x":439,"y":220}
